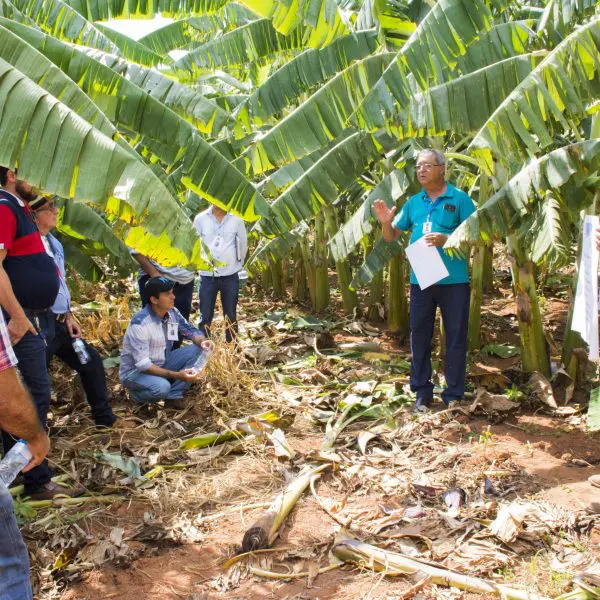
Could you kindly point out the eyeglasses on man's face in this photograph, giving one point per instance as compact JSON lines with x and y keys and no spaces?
{"x":427,"y":166}
{"x":50,"y":206}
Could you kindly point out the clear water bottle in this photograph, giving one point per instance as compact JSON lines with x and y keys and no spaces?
{"x":201,"y":361}
{"x":14,"y":461}
{"x":81,"y":351}
{"x":243,"y":278}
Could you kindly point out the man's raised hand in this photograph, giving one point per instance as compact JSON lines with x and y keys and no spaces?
{"x":384,"y":214}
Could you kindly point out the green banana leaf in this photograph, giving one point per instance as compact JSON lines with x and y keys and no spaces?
{"x":103,"y":10}
{"x":204,"y":114}
{"x":321,"y":19}
{"x":317,"y":121}
{"x":303,"y":73}
{"x":77,"y":259}
{"x":59,"y":20}
{"x":321,"y":184}
{"x":572,"y":165}
{"x":241,"y":46}
{"x":204,"y":170}
{"x":444,"y":35}
{"x":270,"y":251}
{"x":60,"y":153}
{"x":92,"y":234}
{"x":132,"y":50}
{"x":391,"y":189}
{"x":556,"y":93}
{"x":184,"y":33}
{"x":452,"y":107}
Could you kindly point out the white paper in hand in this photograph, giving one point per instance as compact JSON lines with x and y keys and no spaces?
{"x":426,"y":262}
{"x":585,"y":310}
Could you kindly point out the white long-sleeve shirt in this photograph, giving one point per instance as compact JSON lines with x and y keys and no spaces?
{"x":227,"y":241}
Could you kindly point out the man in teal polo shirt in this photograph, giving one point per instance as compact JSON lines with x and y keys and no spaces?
{"x":434,"y":213}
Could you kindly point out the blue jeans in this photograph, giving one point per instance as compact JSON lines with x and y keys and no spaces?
{"x":209,"y":287}
{"x":14,"y":560}
{"x":150,"y":388}
{"x":31,"y":354}
{"x":453,"y":300}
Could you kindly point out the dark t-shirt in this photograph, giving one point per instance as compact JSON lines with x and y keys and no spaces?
{"x":32,"y":272}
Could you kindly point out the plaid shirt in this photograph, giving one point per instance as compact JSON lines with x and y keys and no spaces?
{"x":7,"y":355}
{"x":145,"y":342}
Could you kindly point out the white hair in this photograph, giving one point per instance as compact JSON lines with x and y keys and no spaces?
{"x":440,"y":159}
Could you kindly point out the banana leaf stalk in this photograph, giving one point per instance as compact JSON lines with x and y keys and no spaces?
{"x":238,"y":429}
{"x":354,"y":551}
{"x":264,"y":530}
{"x":333,"y":430}
{"x":81,"y":500}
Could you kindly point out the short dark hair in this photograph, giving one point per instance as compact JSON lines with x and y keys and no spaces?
{"x":155,"y":286}
{"x":3,"y":175}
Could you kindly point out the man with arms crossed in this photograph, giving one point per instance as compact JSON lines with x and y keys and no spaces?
{"x":434,"y":213}
{"x":17,"y":417}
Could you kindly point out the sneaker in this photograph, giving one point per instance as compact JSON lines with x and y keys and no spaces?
{"x":50,"y":490}
{"x":176,"y":404}
{"x":594,"y":480}
{"x":421,"y":409}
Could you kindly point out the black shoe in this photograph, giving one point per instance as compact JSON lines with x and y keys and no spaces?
{"x":176,"y":404}
{"x":106,"y":422}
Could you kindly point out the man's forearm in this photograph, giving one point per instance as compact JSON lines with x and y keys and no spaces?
{"x":146,"y":265}
{"x":160,"y":372}
{"x":389,"y":233}
{"x":8,"y":299}
{"x":17,"y":413}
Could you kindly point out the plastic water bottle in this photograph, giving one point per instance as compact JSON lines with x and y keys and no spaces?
{"x":243,"y":278}
{"x":201,"y":361}
{"x":14,"y":461}
{"x":81,"y":351}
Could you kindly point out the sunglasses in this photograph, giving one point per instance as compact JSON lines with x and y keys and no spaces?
{"x":49,"y":206}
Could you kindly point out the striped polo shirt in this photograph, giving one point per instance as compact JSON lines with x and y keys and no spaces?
{"x":32,"y":273}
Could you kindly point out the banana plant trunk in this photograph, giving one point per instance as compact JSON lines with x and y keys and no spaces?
{"x":534,"y":350}
{"x":278,"y":278}
{"x":309,"y":269}
{"x":349,"y":296}
{"x":299,"y":284}
{"x":397,"y":303}
{"x":375,"y":298}
{"x":321,"y":252}
{"x":488,"y":270}
{"x":477,"y":275}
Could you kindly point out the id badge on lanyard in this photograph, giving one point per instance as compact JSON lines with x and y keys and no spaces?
{"x":172,"y":331}
{"x":427,"y":227}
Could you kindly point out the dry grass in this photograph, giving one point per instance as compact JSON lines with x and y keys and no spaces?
{"x":229,"y":388}
{"x":107,"y":325}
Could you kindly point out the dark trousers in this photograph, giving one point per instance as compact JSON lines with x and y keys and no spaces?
{"x":31,"y":354}
{"x":93,"y":379}
{"x":229,"y":288}
{"x":453,"y":300}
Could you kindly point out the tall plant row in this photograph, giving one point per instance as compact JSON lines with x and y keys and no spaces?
{"x":297,"y":117}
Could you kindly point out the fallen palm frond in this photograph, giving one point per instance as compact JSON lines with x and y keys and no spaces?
{"x":251,"y":425}
{"x":264,"y":530}
{"x":357,"y":552}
